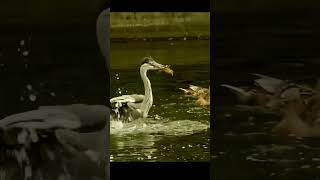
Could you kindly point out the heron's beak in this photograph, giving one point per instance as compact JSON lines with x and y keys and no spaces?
{"x":167,"y":70}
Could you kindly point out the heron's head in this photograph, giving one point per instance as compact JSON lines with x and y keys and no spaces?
{"x":150,"y":64}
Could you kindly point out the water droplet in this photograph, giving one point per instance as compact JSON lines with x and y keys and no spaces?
{"x":119,"y":91}
{"x":183,"y":147}
{"x":25,"y":53}
{"x":29,"y":87}
{"x":305,"y":166}
{"x":22,"y":42}
{"x":117,"y":76}
{"x":315,"y":159}
{"x":33,"y":97}
{"x":185,"y":38}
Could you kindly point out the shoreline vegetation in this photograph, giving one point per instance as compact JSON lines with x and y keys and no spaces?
{"x":160,"y":26}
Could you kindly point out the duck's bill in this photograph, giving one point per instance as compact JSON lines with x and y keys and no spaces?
{"x":167,"y":70}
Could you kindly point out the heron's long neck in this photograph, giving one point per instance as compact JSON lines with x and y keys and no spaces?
{"x":148,"y":99}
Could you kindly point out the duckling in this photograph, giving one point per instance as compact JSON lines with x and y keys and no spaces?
{"x":204,"y":98}
{"x":300,"y":118}
{"x":202,"y":94}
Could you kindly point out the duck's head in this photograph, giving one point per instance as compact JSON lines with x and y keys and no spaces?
{"x":288,"y":98}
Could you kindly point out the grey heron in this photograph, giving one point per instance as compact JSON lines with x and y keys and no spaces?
{"x":129,"y":107}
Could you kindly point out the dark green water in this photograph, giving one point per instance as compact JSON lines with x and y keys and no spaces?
{"x":244,"y":143}
{"x":282,"y":46}
{"x":176,"y":129}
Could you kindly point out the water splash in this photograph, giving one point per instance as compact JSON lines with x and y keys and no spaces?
{"x":154,"y":126}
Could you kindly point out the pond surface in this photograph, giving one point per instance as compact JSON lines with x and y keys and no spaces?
{"x":176,"y":129}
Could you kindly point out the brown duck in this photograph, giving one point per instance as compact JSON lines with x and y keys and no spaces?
{"x":269,"y":92}
{"x":202,"y":94}
{"x":300,"y":118}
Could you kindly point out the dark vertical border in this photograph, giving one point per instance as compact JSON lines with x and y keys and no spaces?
{"x":160,"y":6}
{"x":212,"y":55}
{"x":161,"y":170}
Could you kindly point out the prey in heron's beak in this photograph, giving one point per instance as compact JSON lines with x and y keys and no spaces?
{"x":167,"y":70}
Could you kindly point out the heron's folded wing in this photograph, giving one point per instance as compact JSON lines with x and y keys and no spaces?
{"x":69,"y":137}
{"x":133,"y":98}
{"x":92,"y":117}
{"x":135,"y":105}
{"x":42,"y":119}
